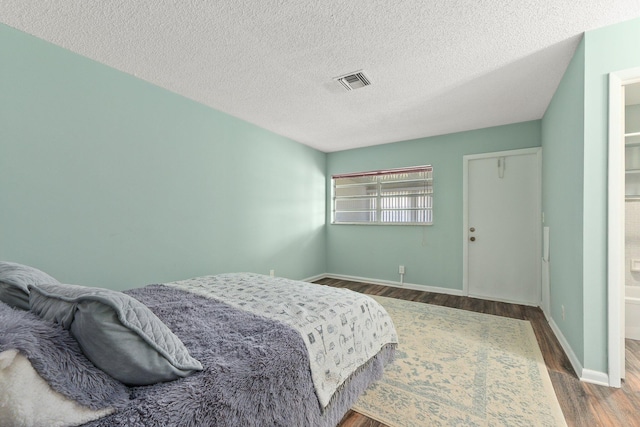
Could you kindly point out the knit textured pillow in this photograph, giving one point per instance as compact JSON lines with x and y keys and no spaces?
{"x":15,"y":280}
{"x":119,"y":334}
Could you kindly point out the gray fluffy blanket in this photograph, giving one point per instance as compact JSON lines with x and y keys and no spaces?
{"x":256,"y":371}
{"x":57,"y":358}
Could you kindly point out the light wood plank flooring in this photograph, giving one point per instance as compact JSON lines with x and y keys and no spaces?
{"x":583,"y":404}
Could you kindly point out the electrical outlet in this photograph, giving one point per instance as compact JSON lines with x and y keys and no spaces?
{"x":563,"y":312}
{"x":272,"y":273}
{"x":401,"y":269}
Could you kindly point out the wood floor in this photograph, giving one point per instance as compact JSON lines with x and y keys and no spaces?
{"x":583,"y":404}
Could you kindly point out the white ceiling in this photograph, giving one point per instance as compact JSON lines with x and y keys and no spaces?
{"x":436,"y":66}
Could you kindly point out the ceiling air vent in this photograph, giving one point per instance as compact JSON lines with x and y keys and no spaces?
{"x":353,"y":81}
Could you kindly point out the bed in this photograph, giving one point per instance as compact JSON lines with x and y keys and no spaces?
{"x":223,"y":350}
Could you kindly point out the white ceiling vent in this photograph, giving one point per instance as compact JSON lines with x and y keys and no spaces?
{"x":354,"y":80}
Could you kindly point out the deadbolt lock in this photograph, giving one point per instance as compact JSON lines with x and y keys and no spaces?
{"x":472,"y":229}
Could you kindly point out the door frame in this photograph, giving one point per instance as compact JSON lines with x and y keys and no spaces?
{"x":615,"y":223}
{"x":465,"y":207}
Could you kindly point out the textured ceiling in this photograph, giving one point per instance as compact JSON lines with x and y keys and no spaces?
{"x":436,"y":66}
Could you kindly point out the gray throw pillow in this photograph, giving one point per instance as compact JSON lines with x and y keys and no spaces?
{"x":14,"y":282}
{"x":57,"y":358}
{"x":119,"y":334}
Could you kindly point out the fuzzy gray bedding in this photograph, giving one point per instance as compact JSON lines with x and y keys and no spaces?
{"x":257,"y":370}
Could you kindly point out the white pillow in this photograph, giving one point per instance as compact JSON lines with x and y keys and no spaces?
{"x":26,"y":400}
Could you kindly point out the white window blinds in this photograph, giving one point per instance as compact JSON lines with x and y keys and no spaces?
{"x":394,"y":196}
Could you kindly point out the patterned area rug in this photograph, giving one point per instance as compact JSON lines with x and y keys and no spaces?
{"x":460,"y":368}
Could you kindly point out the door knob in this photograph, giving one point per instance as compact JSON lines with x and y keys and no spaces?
{"x":472,"y":229}
{"x":473,"y":239}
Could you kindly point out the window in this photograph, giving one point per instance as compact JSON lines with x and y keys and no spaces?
{"x":394,"y":196}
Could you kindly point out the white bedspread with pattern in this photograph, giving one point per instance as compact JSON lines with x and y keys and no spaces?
{"x":342,"y":329}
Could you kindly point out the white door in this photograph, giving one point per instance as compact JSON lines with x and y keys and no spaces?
{"x":502,"y":235}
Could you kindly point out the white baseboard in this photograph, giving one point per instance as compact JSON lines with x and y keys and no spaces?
{"x":586,"y":375}
{"x":595,"y":377}
{"x":412,"y":286}
{"x":577,"y":366}
{"x":314,"y":278}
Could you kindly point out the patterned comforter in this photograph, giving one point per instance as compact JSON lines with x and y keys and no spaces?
{"x":340,"y":328}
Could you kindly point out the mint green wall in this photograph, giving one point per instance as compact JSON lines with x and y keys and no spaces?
{"x":562,"y":200}
{"x":432,"y":254}
{"x":107,"y":180}
{"x":608,"y":49}
{"x":574,"y":140}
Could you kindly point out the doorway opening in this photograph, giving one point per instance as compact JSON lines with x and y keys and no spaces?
{"x":623,"y":201}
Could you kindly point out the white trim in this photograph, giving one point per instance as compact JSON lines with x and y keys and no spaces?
{"x":545,"y":286}
{"x":628,"y":76}
{"x":615,"y":223}
{"x":465,"y":213}
{"x":314,"y":278}
{"x":405,"y":285}
{"x":594,"y":377}
{"x":615,"y":227}
{"x":573,"y":359}
{"x":465,"y":224}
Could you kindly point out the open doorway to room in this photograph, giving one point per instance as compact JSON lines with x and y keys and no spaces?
{"x":624,"y":226}
{"x":631,"y":287}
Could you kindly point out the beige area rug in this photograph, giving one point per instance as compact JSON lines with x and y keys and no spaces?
{"x":460,"y":368}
